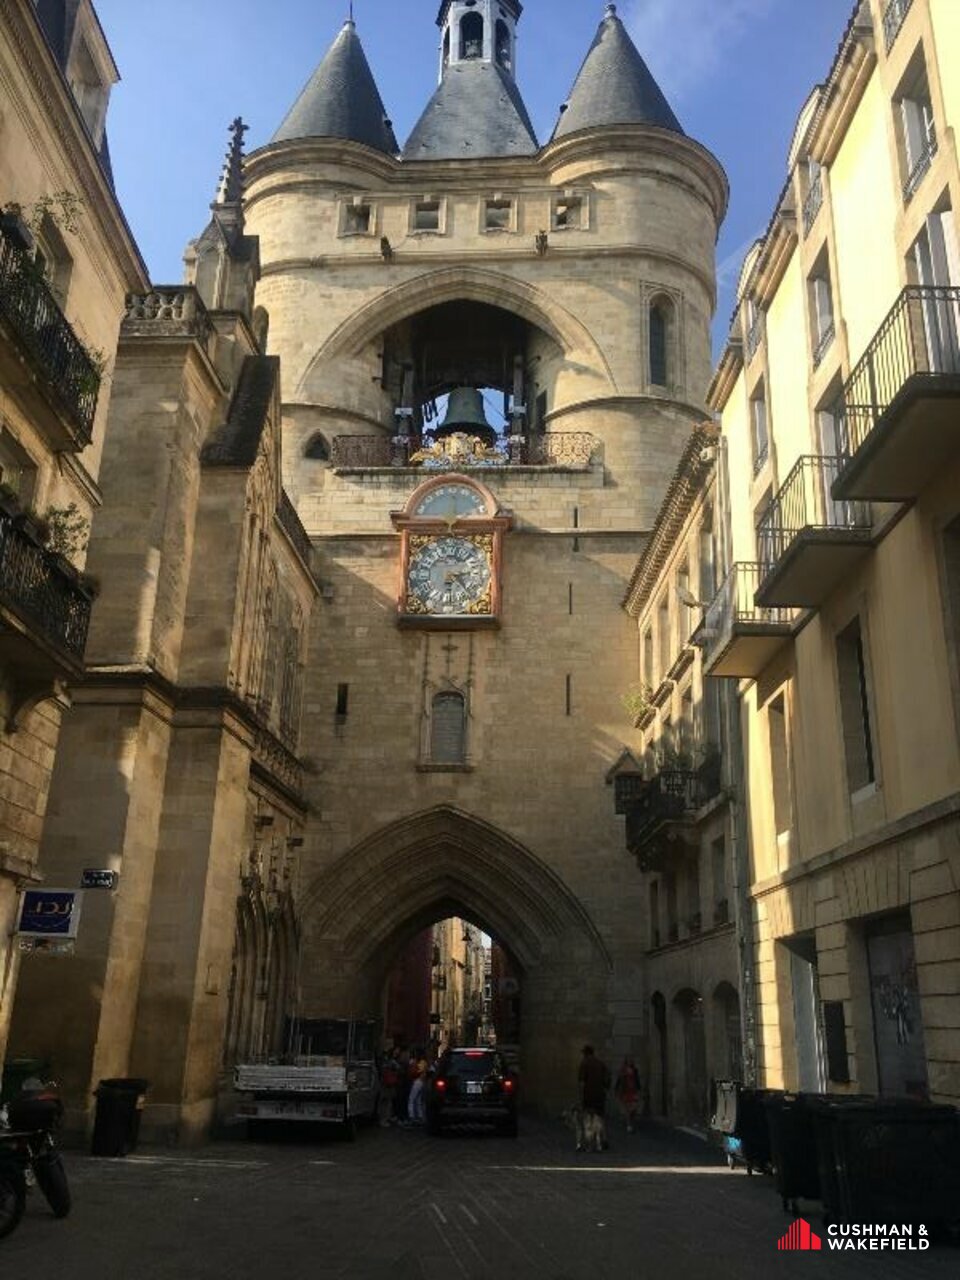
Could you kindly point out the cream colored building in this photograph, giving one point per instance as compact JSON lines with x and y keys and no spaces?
{"x":464,"y":665}
{"x":840,"y":616}
{"x":457,"y":984}
{"x":677,"y":789}
{"x":67,"y":262}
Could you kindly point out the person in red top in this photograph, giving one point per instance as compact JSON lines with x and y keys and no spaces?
{"x":627,"y":1089}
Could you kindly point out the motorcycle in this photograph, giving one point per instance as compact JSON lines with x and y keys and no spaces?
{"x":28,"y":1152}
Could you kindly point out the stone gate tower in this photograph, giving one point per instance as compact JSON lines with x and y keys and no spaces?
{"x":468,"y":659}
{"x":375,"y":482}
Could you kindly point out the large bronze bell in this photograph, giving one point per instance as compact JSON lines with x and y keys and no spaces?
{"x":465,"y":413}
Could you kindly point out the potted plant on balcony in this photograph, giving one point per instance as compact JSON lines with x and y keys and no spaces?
{"x":14,"y":227}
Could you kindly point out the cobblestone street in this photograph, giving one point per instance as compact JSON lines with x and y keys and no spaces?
{"x":399,"y":1204}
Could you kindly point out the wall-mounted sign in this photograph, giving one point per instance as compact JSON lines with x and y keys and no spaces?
{"x":93,"y":879}
{"x":50,"y":913}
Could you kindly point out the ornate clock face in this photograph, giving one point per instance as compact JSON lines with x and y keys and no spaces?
{"x":448,"y":576}
{"x":450,"y":500}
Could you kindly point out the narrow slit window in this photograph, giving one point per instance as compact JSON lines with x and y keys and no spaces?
{"x":855,"y":708}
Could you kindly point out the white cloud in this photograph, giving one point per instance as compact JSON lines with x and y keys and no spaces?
{"x":684,"y":42}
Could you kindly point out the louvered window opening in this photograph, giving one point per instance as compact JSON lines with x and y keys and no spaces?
{"x":448,"y":729}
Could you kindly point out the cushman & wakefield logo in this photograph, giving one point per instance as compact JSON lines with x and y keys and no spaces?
{"x":842,"y":1237}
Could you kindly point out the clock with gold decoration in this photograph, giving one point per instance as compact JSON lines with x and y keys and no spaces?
{"x":451,"y":555}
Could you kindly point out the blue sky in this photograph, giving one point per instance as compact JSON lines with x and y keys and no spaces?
{"x":736,"y":72}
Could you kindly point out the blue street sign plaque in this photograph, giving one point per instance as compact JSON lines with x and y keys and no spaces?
{"x":50,"y":913}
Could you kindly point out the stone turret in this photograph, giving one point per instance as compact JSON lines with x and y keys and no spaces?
{"x":477,"y":111}
{"x":341,"y":100}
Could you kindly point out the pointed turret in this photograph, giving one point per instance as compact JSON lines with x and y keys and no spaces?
{"x":341,"y":100}
{"x":477,"y":111}
{"x":614,"y":86}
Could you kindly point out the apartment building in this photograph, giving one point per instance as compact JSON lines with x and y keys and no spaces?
{"x":838,"y":617}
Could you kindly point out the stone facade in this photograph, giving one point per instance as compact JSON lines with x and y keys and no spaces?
{"x":839,"y":615}
{"x":67,"y":261}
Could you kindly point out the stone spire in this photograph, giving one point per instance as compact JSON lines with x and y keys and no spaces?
{"x":477,"y":110}
{"x":231,"y":188}
{"x":614,"y":86}
{"x":341,"y":100}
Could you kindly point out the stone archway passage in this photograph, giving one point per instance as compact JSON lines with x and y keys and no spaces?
{"x":358,"y":913}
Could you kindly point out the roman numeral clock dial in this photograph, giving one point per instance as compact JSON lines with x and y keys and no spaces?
{"x":451,"y":549}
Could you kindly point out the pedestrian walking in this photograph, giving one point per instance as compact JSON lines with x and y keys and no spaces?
{"x":416,"y":1108}
{"x":401,"y":1097}
{"x":627,"y":1089}
{"x":594,"y":1080}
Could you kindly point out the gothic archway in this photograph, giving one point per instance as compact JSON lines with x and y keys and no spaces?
{"x":358,"y":915}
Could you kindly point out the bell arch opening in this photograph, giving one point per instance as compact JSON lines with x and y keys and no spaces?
{"x":468,"y":365}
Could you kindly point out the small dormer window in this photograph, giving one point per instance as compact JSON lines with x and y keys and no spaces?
{"x":357,"y":219}
{"x":498,"y":215}
{"x":568,"y":213}
{"x":427,"y":215}
{"x":89,"y":90}
{"x":471,"y":37}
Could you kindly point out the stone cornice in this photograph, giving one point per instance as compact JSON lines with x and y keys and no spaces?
{"x":692,"y":471}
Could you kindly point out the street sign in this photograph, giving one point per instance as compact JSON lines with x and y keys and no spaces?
{"x":93,"y":879}
{"x":49,"y":913}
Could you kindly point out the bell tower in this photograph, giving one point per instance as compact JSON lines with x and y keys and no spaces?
{"x":479,"y":31}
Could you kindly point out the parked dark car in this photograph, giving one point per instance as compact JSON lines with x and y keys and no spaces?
{"x":472,"y":1086}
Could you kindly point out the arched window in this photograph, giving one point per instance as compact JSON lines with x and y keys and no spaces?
{"x":659,"y":341}
{"x":446,"y":48}
{"x":471,"y":37}
{"x":503,"y":45}
{"x":317,"y":450}
{"x":448,"y":724}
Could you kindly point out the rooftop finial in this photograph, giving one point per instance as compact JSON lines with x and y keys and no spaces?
{"x":230,"y":190}
{"x":611,"y":11}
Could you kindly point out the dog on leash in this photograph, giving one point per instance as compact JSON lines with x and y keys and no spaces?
{"x":588,"y":1127}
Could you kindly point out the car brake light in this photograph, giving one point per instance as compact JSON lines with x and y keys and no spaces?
{"x":508,"y":1086}
{"x":440,"y":1085}
{"x":475,"y":1053}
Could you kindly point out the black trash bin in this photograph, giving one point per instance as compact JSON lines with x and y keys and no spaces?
{"x":740,"y":1120}
{"x":117,"y":1123}
{"x":889,"y":1161}
{"x":793,"y":1143}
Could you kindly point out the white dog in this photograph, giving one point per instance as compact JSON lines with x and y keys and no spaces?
{"x":589,"y":1127}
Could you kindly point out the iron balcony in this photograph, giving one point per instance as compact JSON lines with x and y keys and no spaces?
{"x":662,"y":819}
{"x":44,"y":607}
{"x":808,"y":541}
{"x":43,"y":346}
{"x":738,"y":637}
{"x":900,"y":426}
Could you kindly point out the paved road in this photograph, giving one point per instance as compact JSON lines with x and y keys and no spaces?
{"x":397,"y":1204}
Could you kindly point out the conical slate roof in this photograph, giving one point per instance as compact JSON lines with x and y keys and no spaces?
{"x":476,"y":112}
{"x":341,"y":100}
{"x":614,"y":86}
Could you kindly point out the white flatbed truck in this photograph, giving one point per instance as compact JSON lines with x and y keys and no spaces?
{"x":329,"y":1076}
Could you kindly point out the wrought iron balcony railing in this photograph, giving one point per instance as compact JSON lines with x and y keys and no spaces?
{"x":734,"y":604}
{"x":893,"y":18}
{"x":812,"y":204}
{"x":755,"y":335}
{"x":46,"y":338}
{"x":571,"y":449}
{"x":920,"y":166}
{"x":919,"y":338}
{"x":672,"y":795}
{"x":42,"y":590}
{"x":824,"y":343}
{"x":804,"y":502}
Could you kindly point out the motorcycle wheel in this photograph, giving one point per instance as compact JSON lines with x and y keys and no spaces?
{"x":13,"y":1199}
{"x":52,"y":1181}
